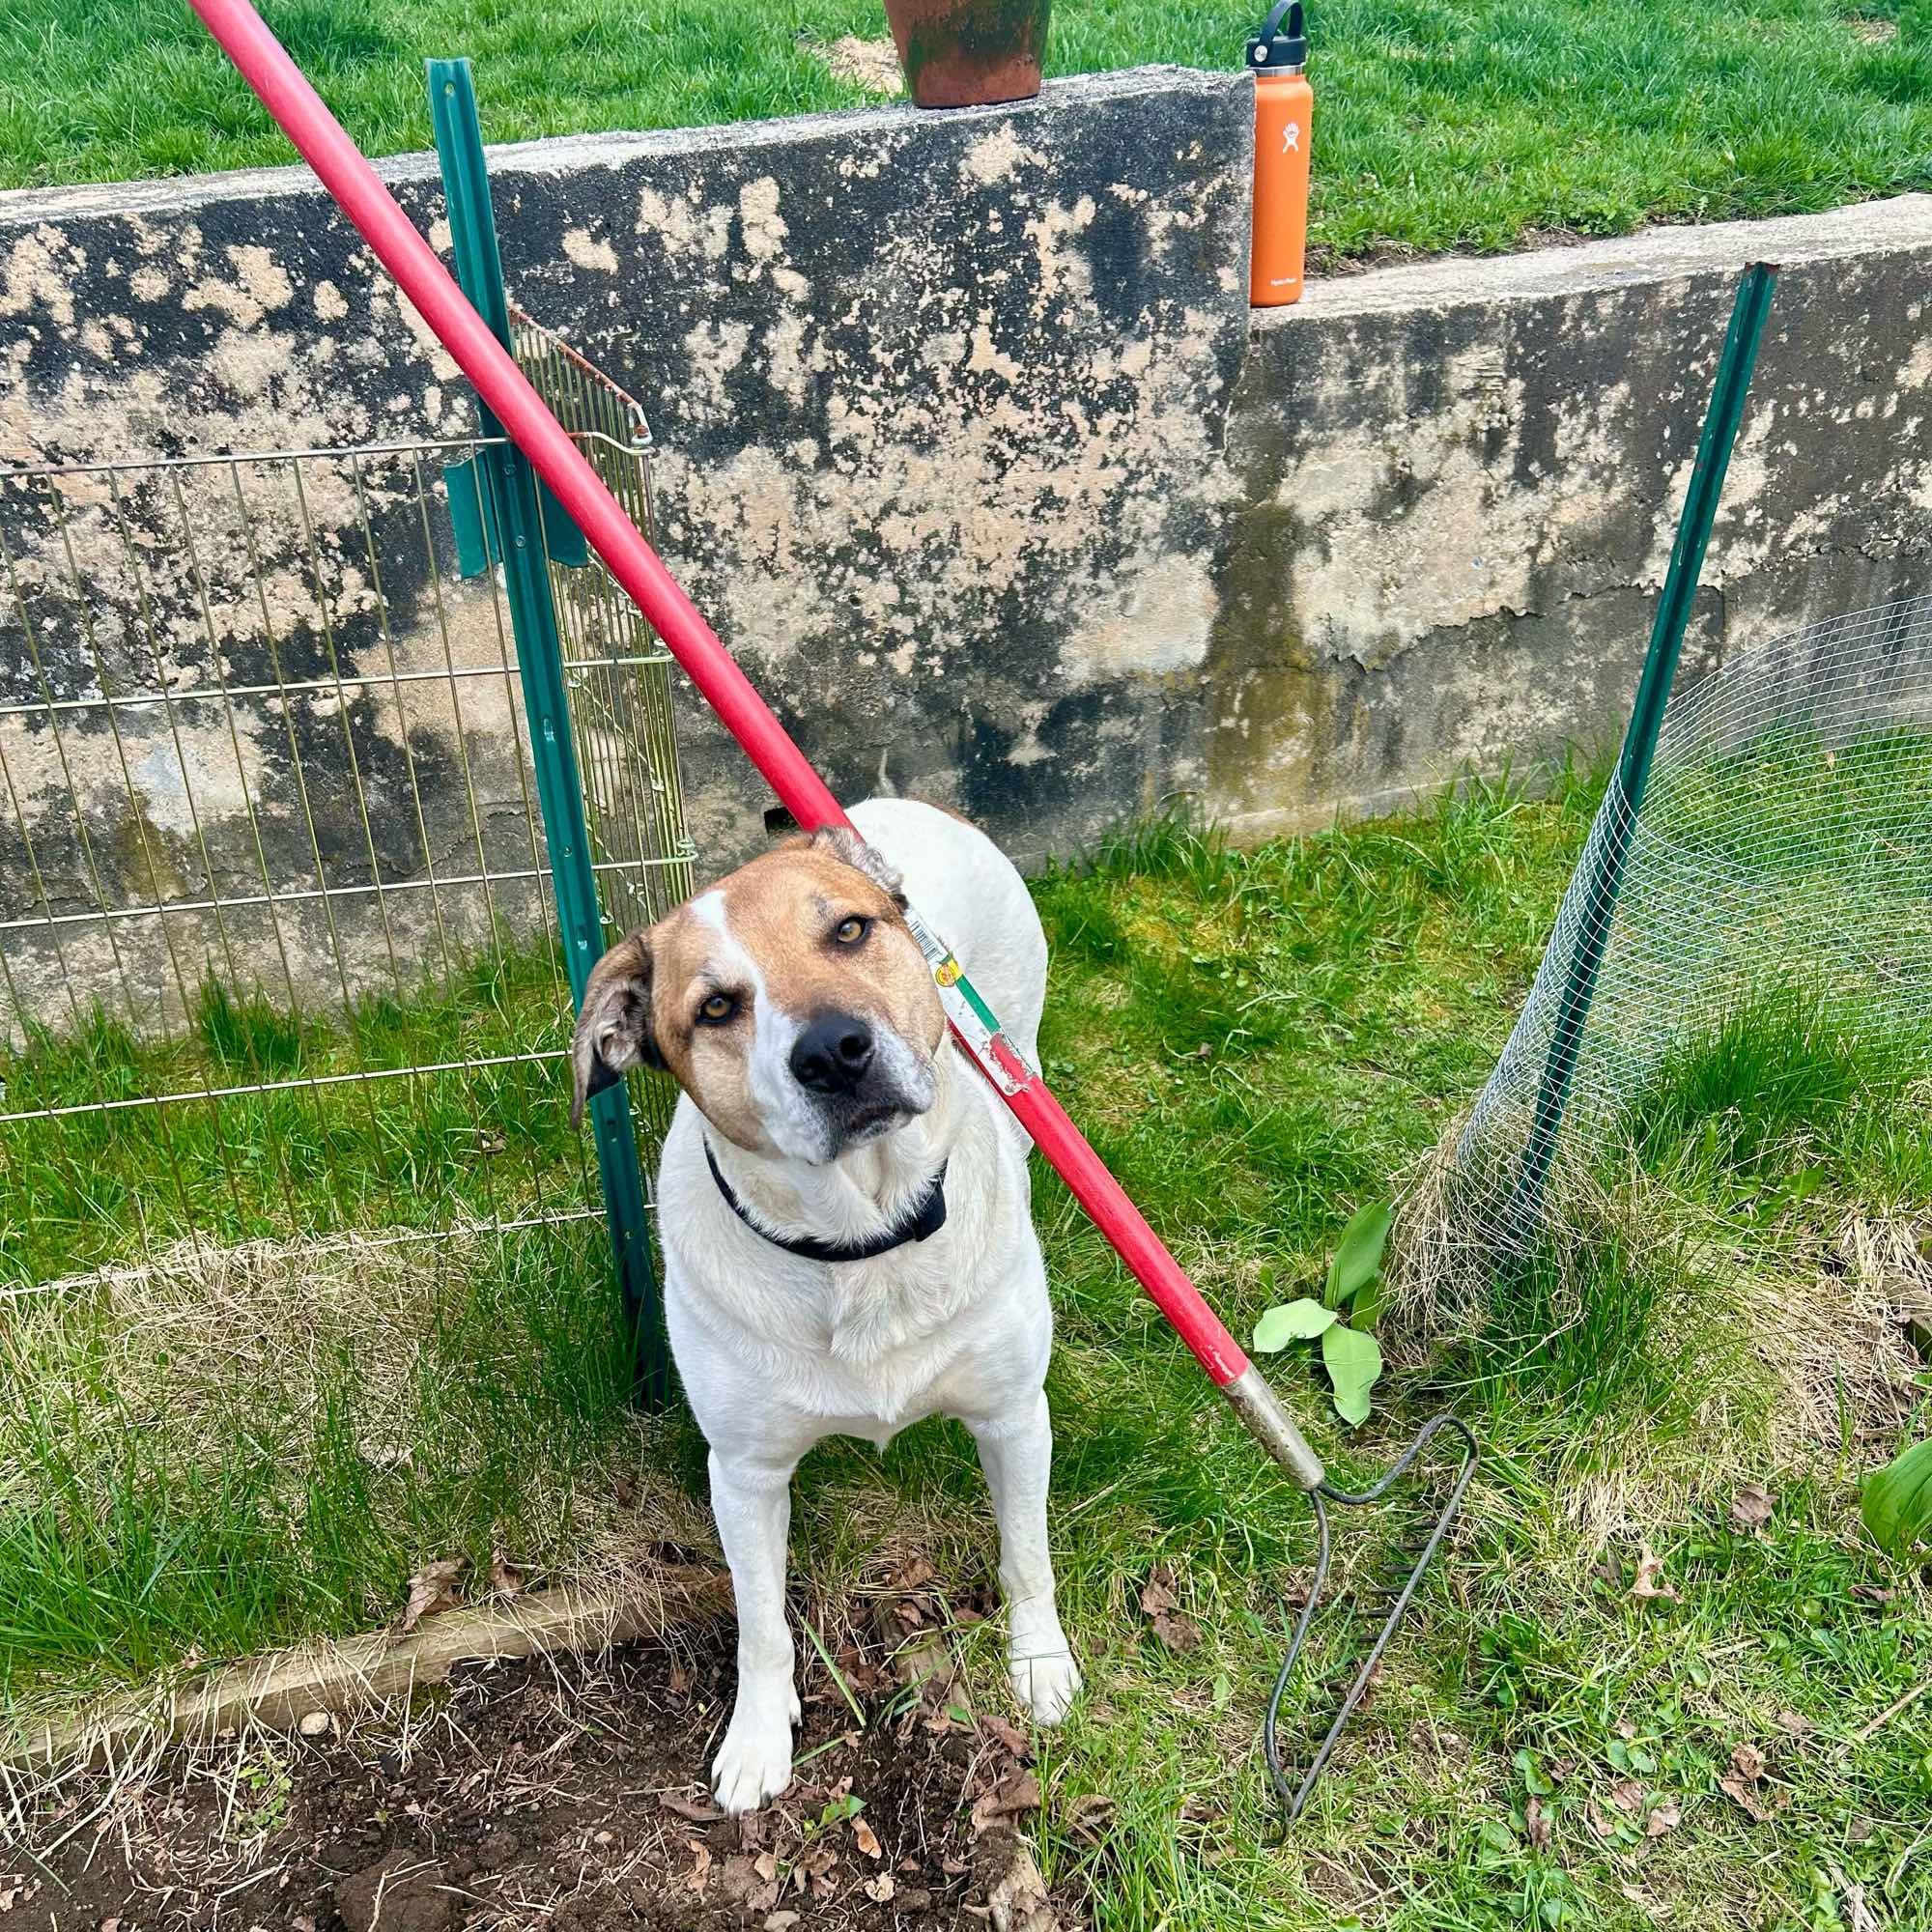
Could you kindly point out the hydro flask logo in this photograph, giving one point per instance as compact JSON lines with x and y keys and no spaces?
{"x":1290,"y":138}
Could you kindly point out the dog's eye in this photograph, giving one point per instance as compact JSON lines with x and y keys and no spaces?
{"x":717,"y":1010}
{"x":849,"y":932}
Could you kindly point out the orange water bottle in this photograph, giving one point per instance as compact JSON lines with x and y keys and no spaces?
{"x":1284,"y":108}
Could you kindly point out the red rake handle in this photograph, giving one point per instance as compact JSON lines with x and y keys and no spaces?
{"x":300,"y":113}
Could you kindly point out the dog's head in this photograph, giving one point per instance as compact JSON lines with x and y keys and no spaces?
{"x":790,"y":1001}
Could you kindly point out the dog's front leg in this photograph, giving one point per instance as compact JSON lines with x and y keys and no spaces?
{"x":753,"y":1507}
{"x":1016,"y":1453}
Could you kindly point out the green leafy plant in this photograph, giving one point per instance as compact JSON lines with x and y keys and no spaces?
{"x":1897,"y":1501}
{"x":1343,"y":1319}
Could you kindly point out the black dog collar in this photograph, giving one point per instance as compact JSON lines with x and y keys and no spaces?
{"x":927,"y":1217}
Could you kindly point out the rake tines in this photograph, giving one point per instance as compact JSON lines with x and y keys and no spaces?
{"x":1294,"y":1796}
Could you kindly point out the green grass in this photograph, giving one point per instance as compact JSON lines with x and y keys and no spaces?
{"x":1256,"y":1042}
{"x":319,"y":1156}
{"x":160,"y":1504}
{"x":1437,"y":126}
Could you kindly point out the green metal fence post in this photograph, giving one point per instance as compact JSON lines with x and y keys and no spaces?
{"x":1652,"y":695}
{"x":512,"y":484}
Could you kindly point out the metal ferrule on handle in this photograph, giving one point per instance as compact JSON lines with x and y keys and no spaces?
{"x":1269,"y":1423}
{"x":319,"y":138}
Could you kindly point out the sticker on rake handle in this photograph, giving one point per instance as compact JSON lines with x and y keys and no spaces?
{"x":971,"y":1018}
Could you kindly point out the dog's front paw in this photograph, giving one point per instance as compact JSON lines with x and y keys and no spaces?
{"x":753,"y":1764}
{"x":1045,"y":1686}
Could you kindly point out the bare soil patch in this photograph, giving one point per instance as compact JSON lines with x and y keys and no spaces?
{"x":557,"y":1792}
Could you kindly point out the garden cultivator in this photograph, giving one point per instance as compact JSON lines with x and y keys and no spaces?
{"x":508,"y":399}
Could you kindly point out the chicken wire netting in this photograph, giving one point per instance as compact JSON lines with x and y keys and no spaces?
{"x":1780,"y":861}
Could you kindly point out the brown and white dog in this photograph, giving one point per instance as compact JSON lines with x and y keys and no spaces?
{"x":843,"y":1206}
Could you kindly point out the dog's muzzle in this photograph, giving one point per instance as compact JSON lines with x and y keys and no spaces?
{"x":865,"y":1082}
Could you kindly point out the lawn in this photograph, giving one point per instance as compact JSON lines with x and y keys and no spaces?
{"x":1257,"y":1042}
{"x":1476,"y":126}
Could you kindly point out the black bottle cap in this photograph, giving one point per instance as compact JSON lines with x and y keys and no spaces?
{"x":1276,"y":46}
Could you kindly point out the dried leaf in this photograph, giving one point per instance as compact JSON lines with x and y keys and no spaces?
{"x":679,"y":1683}
{"x":1010,"y":1735}
{"x":1537,"y":1822}
{"x":1370,"y":1685}
{"x":700,"y":1871}
{"x":1870,"y":1593}
{"x":1088,"y":1816}
{"x":1859,"y":1917}
{"x":1665,"y":1817}
{"x":1748,"y":1761}
{"x":1595,"y":1819}
{"x":432,"y":1590}
{"x":1750,"y":1508}
{"x":507,"y":1578}
{"x":694,"y":1810}
{"x":881,"y":1889}
{"x":766,"y":1866}
{"x":1625,"y":1793}
{"x":1794,"y":1724}
{"x":1650,"y":1577}
{"x":914,"y":1574}
{"x":866,"y":1839}
{"x":1743,"y":1791}
{"x":1158,"y":1595}
{"x":1014,"y":1794}
{"x":1177,"y":1632}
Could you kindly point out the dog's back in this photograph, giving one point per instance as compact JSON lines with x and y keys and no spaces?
{"x":967,"y":890}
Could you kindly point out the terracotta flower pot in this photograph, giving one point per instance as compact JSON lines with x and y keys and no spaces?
{"x":967,"y":53}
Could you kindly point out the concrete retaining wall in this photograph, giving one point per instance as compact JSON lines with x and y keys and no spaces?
{"x":972,"y":450}
{"x":1458,"y":485}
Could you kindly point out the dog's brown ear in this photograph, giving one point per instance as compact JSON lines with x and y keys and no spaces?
{"x":614,"y":1029}
{"x":845,"y":845}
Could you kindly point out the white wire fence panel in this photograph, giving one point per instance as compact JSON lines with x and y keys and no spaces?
{"x":1782,"y":853}
{"x":278,"y":947}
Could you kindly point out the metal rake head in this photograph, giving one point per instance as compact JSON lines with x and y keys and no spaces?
{"x":1294,"y":1797}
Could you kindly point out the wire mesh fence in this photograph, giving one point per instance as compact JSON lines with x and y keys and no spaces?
{"x":278,"y":942}
{"x":1778,"y":875}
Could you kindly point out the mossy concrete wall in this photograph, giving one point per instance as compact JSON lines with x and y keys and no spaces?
{"x":1456,"y":486}
{"x":971,"y":448}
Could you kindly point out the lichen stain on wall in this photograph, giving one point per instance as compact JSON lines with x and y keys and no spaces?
{"x":972,"y":438}
{"x":1420,"y":522}
{"x":191,"y":347}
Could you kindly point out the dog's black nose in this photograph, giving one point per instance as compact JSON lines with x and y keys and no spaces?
{"x":832,"y":1054}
